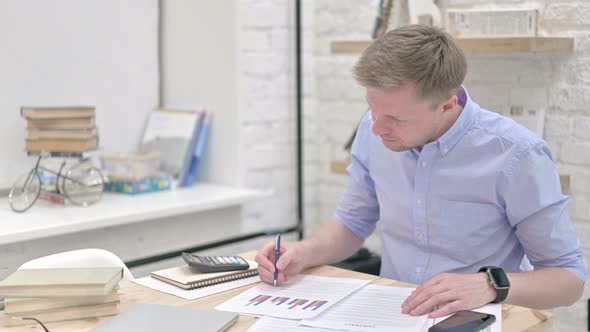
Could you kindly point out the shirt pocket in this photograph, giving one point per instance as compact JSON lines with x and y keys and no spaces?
{"x":463,"y":229}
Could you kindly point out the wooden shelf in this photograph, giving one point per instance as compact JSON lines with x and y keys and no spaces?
{"x":339,"y":166}
{"x":565,"y":181}
{"x":481,"y":45}
{"x":46,"y":220}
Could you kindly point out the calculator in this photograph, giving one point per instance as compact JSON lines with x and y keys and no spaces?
{"x":209,"y":264}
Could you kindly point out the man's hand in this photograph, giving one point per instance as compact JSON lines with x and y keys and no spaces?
{"x":450,"y":292}
{"x":291,"y":261}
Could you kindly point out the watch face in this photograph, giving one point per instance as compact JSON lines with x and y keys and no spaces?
{"x":499,"y":278}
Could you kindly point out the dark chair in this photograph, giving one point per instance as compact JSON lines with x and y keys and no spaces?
{"x":362,"y":261}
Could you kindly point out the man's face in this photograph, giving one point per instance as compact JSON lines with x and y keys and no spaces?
{"x":402,"y":119}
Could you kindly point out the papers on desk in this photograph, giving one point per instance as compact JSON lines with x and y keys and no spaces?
{"x":268,"y":324}
{"x":194,"y":294}
{"x":303,"y":297}
{"x":373,"y":308}
{"x":319,"y":304}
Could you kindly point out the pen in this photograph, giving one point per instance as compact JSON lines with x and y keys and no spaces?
{"x":277,"y":253}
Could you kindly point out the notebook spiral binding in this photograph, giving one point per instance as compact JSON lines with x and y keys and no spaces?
{"x":223,"y":279}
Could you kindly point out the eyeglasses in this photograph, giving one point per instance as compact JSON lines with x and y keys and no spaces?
{"x":81,"y":183}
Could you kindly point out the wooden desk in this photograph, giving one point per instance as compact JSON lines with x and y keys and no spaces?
{"x":515,"y":319}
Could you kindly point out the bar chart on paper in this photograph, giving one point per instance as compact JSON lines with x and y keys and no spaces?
{"x":304,"y":296}
{"x":283,"y":300}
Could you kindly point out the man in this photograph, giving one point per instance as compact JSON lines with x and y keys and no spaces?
{"x":462,"y":194}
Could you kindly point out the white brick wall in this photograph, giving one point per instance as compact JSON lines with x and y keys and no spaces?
{"x":582,"y":127}
{"x":268,"y":126}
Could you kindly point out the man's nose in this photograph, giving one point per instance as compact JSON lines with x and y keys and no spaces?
{"x":378,"y":127}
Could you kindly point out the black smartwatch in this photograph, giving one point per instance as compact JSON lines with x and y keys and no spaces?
{"x":498,"y":280}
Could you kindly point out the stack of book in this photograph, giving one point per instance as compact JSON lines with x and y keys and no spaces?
{"x":51,"y":295}
{"x":68,"y":129}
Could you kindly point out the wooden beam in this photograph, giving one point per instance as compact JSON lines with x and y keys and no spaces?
{"x":516,"y":44}
{"x":565,"y":181}
{"x":339,"y":166}
{"x":481,"y":45}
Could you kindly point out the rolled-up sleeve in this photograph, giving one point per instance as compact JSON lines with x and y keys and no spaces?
{"x":358,"y":209}
{"x":537,"y":209}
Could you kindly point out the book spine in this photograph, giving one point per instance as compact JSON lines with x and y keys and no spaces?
{"x":192,"y":174}
{"x":184,"y":171}
{"x":497,"y":23}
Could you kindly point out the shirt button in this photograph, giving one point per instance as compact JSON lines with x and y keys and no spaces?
{"x":419,"y":201}
{"x":420,"y":237}
{"x":418,"y":269}
{"x":424,"y":164}
{"x":445,"y":149}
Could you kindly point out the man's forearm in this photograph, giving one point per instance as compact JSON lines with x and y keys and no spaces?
{"x":545,"y":288}
{"x":331,"y":243}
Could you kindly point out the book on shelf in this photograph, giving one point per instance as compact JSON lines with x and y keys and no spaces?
{"x":145,"y":185}
{"x":63,"y":314}
{"x":49,"y":194}
{"x":57,"y":112}
{"x":66,"y":123}
{"x":187,"y":162}
{"x":24,"y":305}
{"x":198,"y":153}
{"x":171,"y":133}
{"x":59,"y":282}
{"x":467,"y":23}
{"x":61,"y":145}
{"x":62,"y":133}
{"x":186,"y":278}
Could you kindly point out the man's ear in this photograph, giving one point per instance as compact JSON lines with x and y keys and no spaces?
{"x":450,"y":103}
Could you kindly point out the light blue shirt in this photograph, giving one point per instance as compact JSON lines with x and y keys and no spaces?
{"x":485,"y":193}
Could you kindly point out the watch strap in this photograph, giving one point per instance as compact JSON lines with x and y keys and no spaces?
{"x":501,"y":293}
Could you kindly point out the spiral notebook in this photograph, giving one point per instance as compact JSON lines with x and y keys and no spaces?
{"x":185,"y":278}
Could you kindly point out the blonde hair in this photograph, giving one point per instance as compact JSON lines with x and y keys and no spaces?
{"x":425,"y":56}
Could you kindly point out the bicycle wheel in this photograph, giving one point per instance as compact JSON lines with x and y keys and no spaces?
{"x":83,"y":184}
{"x":25,"y":191}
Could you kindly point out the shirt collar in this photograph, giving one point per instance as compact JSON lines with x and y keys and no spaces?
{"x":463,"y":123}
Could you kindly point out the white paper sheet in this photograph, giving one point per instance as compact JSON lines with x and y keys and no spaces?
{"x":494,"y":309}
{"x":303,"y":297}
{"x":268,"y":324}
{"x":194,"y":293}
{"x":373,"y":308}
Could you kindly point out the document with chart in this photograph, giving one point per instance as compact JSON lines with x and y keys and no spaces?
{"x":373,"y":308}
{"x":303,"y":297}
{"x":269,"y":324}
